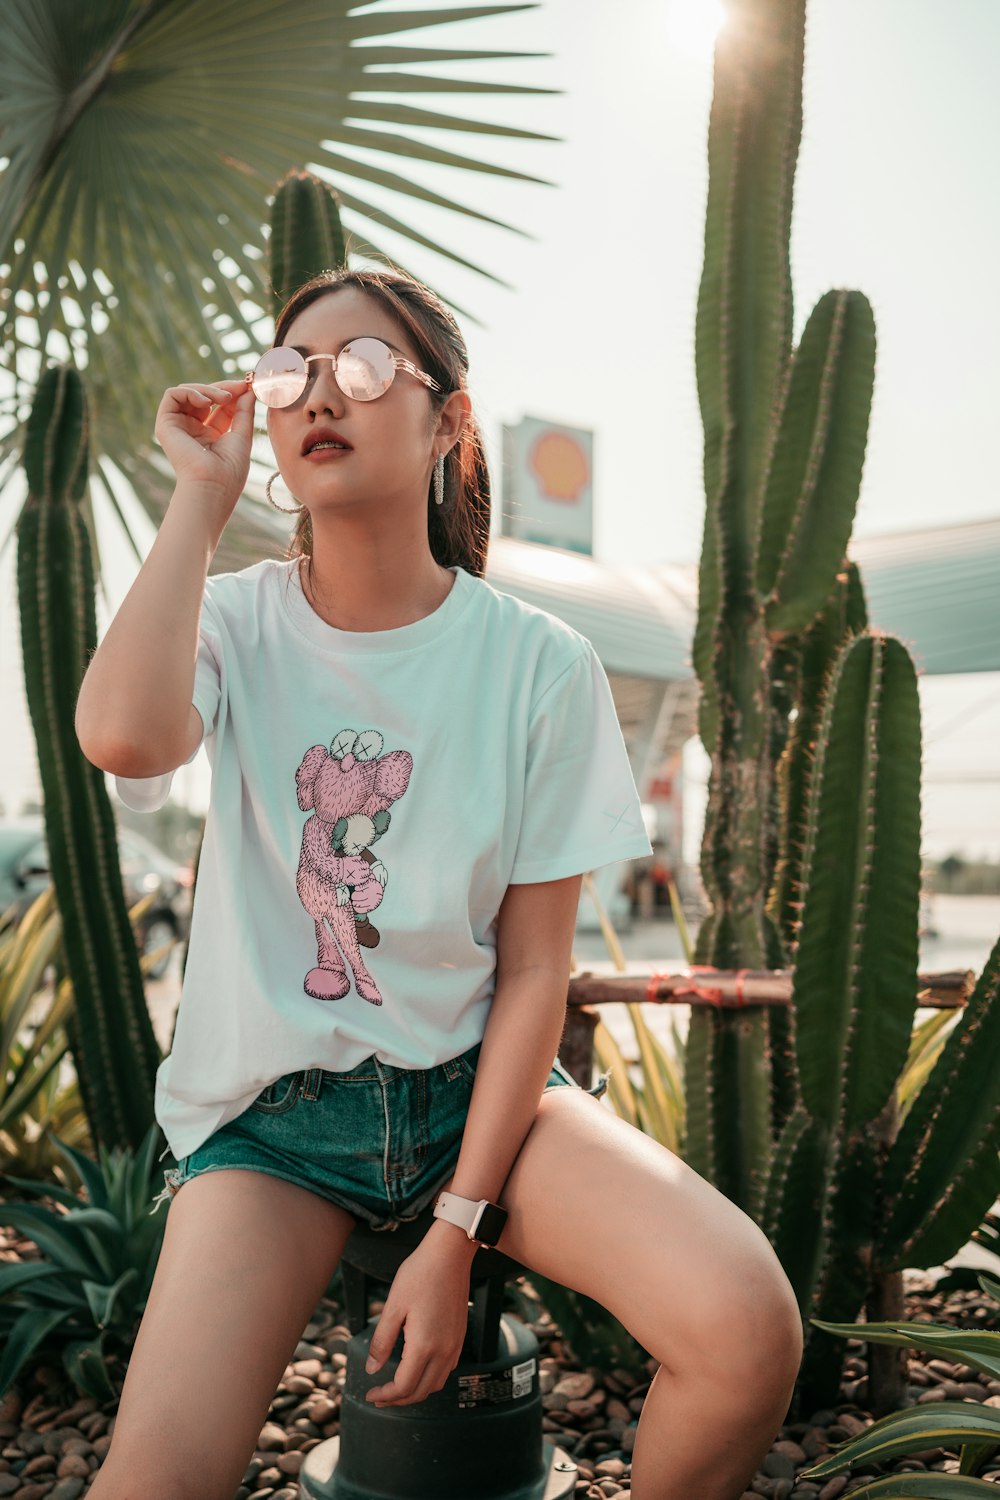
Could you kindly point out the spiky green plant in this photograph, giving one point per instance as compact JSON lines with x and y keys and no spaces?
{"x":306,"y":234}
{"x":811,"y":847}
{"x":784,"y":441}
{"x":114,"y":1046}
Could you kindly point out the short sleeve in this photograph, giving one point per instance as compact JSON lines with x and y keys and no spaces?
{"x":149,"y":793}
{"x":581,"y":807}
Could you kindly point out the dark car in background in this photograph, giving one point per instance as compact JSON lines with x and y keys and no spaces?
{"x":24,"y":874}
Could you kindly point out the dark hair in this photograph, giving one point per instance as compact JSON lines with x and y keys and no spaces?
{"x":459,"y":529}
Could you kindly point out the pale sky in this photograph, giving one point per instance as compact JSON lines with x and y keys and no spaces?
{"x":894,"y":195}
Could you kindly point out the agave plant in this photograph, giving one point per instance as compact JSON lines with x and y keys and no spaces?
{"x":970,"y":1426}
{"x":84,"y":1302}
{"x":35,"y":1028}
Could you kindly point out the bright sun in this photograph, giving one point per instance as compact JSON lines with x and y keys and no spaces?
{"x":692,"y":25}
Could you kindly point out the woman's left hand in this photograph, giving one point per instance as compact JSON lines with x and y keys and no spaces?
{"x":430,"y":1296}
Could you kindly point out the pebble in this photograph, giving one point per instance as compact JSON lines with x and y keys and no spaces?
{"x":271,"y":1436}
{"x":835,"y":1486}
{"x":67,"y":1489}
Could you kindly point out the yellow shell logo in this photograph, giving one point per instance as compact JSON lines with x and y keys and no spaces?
{"x":559,"y":465}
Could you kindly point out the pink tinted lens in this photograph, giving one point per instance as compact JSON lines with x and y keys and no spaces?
{"x":365,"y":369}
{"x":279,"y":377}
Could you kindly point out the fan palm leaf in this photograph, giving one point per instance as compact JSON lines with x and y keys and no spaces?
{"x":140,"y":141}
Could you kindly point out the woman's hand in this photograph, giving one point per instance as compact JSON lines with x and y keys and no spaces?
{"x":430,"y":1295}
{"x":206,"y":432}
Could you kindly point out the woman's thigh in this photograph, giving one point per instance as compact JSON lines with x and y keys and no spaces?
{"x":245,"y":1259}
{"x":606,"y":1210}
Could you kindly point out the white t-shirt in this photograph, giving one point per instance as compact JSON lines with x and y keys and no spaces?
{"x":387,"y":783}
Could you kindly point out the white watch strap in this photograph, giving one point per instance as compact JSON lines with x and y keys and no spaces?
{"x":465,"y":1212}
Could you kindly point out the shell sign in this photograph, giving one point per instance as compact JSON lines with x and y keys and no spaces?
{"x":548,"y":474}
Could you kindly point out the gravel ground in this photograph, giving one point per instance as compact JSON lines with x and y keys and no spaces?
{"x":52,"y":1441}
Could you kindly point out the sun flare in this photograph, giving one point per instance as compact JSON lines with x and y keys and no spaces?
{"x":693,"y":25}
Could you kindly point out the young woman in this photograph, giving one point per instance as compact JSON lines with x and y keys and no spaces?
{"x":410,"y":773}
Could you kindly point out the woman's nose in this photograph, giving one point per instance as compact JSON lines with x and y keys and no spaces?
{"x":324,"y":393}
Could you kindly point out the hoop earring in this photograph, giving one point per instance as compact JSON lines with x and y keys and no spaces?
{"x":439,"y":480}
{"x":271,"y":501}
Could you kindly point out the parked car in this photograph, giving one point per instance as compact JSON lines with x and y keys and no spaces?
{"x":24,"y":874}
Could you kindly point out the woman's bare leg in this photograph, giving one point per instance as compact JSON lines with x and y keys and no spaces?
{"x":245,"y":1260}
{"x":604,"y":1209}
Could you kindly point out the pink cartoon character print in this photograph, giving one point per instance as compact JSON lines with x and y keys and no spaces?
{"x":349,"y":789}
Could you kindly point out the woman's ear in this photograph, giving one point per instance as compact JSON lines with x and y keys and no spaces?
{"x":453,"y":415}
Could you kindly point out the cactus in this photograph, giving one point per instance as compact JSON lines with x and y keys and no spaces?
{"x":114,"y":1046}
{"x":784,"y":446}
{"x":811,"y":848}
{"x":855,"y":979}
{"x":306,"y":234}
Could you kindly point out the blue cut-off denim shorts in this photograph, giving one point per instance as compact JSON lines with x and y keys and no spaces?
{"x":379,"y":1141}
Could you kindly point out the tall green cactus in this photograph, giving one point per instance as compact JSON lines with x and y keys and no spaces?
{"x":811,"y":851}
{"x":306,"y":234}
{"x":784,"y":446}
{"x":855,"y":981}
{"x":115,"y":1049}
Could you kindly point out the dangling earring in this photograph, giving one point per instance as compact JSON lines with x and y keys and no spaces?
{"x":439,"y":480}
{"x":271,"y":501}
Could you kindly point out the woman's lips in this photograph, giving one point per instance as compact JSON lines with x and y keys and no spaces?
{"x":316,"y":455}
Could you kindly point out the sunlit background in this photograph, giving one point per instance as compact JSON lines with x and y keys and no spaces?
{"x":894,"y":195}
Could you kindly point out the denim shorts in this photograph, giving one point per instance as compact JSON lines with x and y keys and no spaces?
{"x":379,"y":1141}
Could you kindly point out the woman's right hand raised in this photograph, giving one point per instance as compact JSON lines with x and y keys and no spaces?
{"x":206,"y":432}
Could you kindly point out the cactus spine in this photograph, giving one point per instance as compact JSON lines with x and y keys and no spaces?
{"x":115,"y":1049}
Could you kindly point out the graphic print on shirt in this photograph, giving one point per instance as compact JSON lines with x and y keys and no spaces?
{"x":349,"y":788}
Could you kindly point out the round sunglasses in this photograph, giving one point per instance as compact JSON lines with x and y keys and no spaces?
{"x":364,"y":370}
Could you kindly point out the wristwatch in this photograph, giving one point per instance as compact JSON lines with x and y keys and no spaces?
{"x":482,"y":1220}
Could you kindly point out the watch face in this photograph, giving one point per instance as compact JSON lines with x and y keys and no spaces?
{"x":490,"y":1226}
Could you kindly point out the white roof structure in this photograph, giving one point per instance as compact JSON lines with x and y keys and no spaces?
{"x":937,"y":589}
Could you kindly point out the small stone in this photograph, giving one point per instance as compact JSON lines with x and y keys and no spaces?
{"x":822,"y":1418}
{"x":322,"y":1409}
{"x":11,"y":1405}
{"x":271,"y":1436}
{"x":612,"y":1467}
{"x":67,"y":1489}
{"x":582,"y":1409}
{"x":73,"y":1463}
{"x":782,"y":1489}
{"x":934,"y":1394}
{"x":44,"y":1463}
{"x":35,"y":1491}
{"x":268,"y":1478}
{"x":9,"y":1483}
{"x":853,"y":1425}
{"x":834,"y":1487}
{"x":970,"y":1389}
{"x":791,"y":1450}
{"x":777,"y":1466}
{"x":309,"y":1367}
{"x":299,"y":1385}
{"x":291,"y":1463}
{"x":576,"y":1387}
